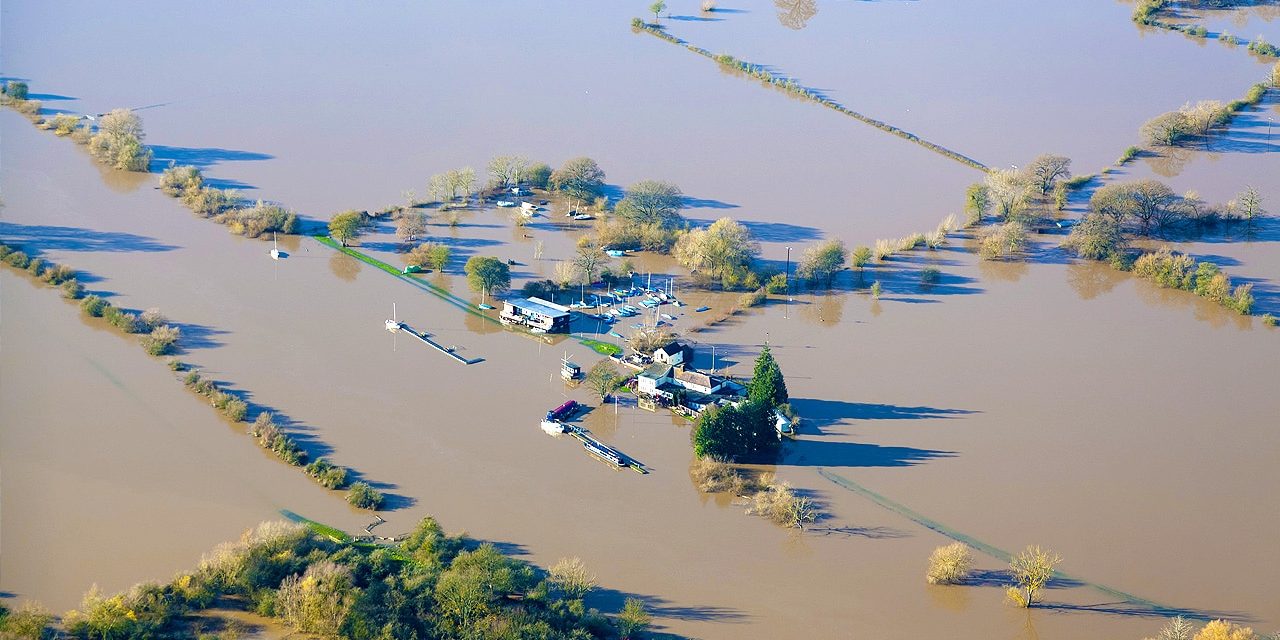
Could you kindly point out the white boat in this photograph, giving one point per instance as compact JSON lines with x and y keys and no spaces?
{"x":275,"y":248}
{"x":553,"y":428}
{"x":393,"y":325}
{"x":506,"y":203}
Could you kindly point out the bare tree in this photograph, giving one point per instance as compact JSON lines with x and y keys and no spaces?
{"x":411,"y":225}
{"x":1008,"y":190}
{"x":1048,"y":169}
{"x":506,"y":170}
{"x":1250,"y":203}
{"x":1031,"y":571}
{"x":603,"y":378}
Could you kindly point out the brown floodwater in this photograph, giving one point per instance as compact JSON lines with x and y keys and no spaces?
{"x":1052,"y":403}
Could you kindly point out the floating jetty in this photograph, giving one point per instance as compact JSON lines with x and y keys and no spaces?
{"x":395,"y":326}
{"x":554,"y":424}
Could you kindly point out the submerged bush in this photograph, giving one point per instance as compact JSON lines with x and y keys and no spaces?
{"x":712,"y":475}
{"x":1002,"y":241}
{"x":72,"y":289}
{"x":122,"y":320}
{"x":210,"y":201}
{"x":178,"y":181}
{"x":259,"y":219}
{"x":949,"y":564}
{"x":94,"y":306}
{"x":327,"y":474}
{"x":161,"y":341}
{"x":779,"y":503}
{"x":363,"y":496}
{"x":118,"y":142}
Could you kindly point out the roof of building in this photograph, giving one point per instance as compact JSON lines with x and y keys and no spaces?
{"x":697,"y":377}
{"x":672,"y":348}
{"x":538,"y":305}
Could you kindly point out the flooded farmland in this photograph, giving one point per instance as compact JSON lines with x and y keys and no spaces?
{"x":1130,"y":428}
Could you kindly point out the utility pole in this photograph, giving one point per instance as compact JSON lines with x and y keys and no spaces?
{"x":787,"y":309}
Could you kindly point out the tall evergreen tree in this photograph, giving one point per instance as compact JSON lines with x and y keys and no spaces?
{"x":767,"y":384}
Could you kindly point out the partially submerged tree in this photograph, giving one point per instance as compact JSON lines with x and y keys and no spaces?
{"x":1031,"y":570}
{"x":345,"y":226}
{"x":1249,"y":201}
{"x":949,"y":564}
{"x":977,"y":202}
{"x":506,"y":170}
{"x":1002,"y":241}
{"x":487,"y":275}
{"x":118,"y":142}
{"x":1096,"y":237}
{"x":431,"y":255}
{"x":651,"y":201}
{"x":1009,"y":191}
{"x":1047,"y":170}
{"x":590,"y":259}
{"x":411,"y":225}
{"x":657,"y":8}
{"x":603,"y":378}
{"x":580,"y":178}
{"x":820,"y":262}
{"x":723,"y":246}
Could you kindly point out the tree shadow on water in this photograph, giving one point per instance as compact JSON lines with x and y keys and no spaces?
{"x":200,"y":157}
{"x":823,"y":453}
{"x":51,"y":238}
{"x":819,"y":412}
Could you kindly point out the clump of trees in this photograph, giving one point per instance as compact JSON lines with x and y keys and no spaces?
{"x":1002,"y":241}
{"x":1174,"y":270}
{"x":746,"y":430}
{"x":224,"y":206}
{"x":819,"y":263}
{"x":778,"y":502}
{"x":735,"y":432}
{"x":363,"y":496}
{"x":345,"y":226}
{"x":30,"y":622}
{"x":487,"y":274}
{"x":1179,"y":628}
{"x":1177,"y":127}
{"x":327,"y":474}
{"x":725,"y":250}
{"x":411,"y":224}
{"x":15,"y":94}
{"x":652,"y":201}
{"x":118,"y":142}
{"x":452,"y":185}
{"x":579,"y":178}
{"x":949,"y":564}
{"x":431,"y":585}
{"x":1097,"y":237}
{"x":268,"y":435}
{"x":431,"y":255}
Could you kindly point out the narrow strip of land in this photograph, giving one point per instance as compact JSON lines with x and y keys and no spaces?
{"x":789,"y":85}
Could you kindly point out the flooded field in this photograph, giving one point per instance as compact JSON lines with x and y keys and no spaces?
{"x":483,"y":87}
{"x":1068,"y":405}
{"x":999,"y":81}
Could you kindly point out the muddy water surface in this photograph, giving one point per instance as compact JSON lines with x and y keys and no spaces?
{"x":1053,"y":403}
{"x":999,"y":81}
